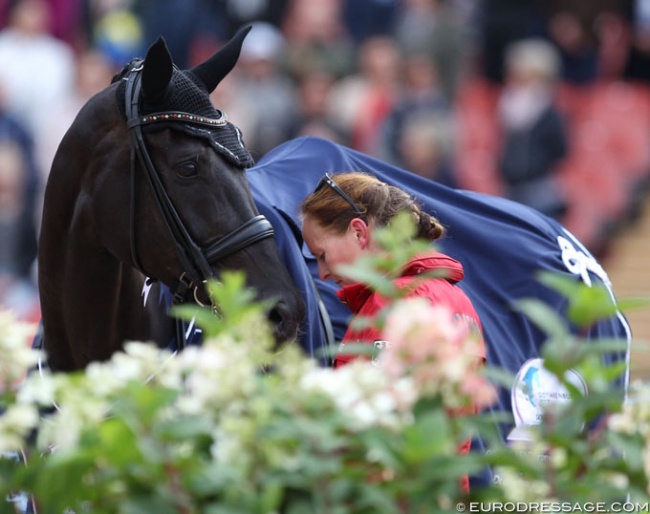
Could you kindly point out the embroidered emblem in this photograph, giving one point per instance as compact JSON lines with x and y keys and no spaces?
{"x":535,"y":387}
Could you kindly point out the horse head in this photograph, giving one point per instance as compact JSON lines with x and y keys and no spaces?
{"x":150,"y":180}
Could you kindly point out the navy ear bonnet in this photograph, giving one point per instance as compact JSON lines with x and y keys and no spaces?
{"x":187,"y":97}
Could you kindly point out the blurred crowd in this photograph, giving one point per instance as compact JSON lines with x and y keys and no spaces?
{"x":543,"y":101}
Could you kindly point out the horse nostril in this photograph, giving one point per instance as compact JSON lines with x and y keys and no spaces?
{"x":281,"y":318}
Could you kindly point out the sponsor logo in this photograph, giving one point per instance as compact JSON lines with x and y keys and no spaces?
{"x":534,"y":389}
{"x":580,"y":263}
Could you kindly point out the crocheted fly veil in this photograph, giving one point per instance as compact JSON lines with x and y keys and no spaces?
{"x":186,"y":99}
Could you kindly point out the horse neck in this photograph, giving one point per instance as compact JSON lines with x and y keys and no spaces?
{"x":91,"y":301}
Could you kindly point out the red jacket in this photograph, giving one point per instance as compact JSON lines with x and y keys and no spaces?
{"x":362,"y":301}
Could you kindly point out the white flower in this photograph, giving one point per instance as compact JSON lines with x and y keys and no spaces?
{"x":558,"y":457}
{"x":79,"y":409}
{"x":439,"y":351}
{"x":227,"y":449}
{"x":218,"y":375}
{"x":363,"y":392}
{"x":623,"y":423}
{"x":106,"y":382}
{"x":38,"y":389}
{"x":519,"y":489}
{"x":15,"y":424}
{"x":16,"y":356}
{"x":618,"y":480}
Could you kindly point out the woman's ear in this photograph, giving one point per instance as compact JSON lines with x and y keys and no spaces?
{"x":361,"y":232}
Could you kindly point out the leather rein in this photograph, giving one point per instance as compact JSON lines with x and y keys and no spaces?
{"x":196,"y":260}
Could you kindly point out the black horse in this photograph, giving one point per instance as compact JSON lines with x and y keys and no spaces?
{"x":149,"y":181}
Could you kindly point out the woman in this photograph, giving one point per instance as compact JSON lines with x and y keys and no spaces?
{"x":338,"y":222}
{"x":535,"y":139}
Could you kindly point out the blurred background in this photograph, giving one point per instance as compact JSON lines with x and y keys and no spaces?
{"x":543,"y":101}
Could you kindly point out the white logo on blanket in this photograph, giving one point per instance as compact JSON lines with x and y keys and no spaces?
{"x":535,"y":387}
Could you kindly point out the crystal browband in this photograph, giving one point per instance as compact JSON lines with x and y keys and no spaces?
{"x":184,"y":117}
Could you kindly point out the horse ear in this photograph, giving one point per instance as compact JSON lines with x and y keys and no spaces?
{"x":157,"y":71}
{"x":213,"y":70}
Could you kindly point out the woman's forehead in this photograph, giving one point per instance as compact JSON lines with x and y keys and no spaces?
{"x":315,"y":233}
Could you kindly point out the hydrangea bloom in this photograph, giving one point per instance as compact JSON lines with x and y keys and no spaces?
{"x":439,"y":354}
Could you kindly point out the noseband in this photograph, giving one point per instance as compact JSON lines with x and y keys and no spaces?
{"x":195,"y":259}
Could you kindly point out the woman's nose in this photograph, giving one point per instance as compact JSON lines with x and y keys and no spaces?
{"x":323,"y":272}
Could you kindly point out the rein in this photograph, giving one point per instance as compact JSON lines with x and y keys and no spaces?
{"x":195,"y":259}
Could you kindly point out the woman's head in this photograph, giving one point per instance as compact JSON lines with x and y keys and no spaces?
{"x":339,"y":216}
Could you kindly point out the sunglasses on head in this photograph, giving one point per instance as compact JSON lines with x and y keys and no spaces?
{"x":327,"y":181}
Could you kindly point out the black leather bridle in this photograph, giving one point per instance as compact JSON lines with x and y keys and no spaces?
{"x":195,"y":259}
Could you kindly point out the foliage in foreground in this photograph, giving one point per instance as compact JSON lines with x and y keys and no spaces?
{"x":235,"y":427}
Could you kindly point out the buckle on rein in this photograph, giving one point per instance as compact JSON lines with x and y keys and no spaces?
{"x":185,"y":284}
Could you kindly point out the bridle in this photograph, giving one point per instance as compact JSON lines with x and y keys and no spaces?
{"x":196,"y":260}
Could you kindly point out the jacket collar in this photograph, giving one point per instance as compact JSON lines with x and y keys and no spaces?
{"x":355,"y":295}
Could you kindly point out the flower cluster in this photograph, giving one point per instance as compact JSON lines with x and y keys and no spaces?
{"x":440,"y":354}
{"x":366,"y":393}
{"x":15,"y":357}
{"x":242,"y":408}
{"x":238,"y":426}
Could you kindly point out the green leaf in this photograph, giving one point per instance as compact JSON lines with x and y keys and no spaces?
{"x":587,"y":303}
{"x":147,"y":504}
{"x":630,"y":304}
{"x":360,"y":273}
{"x":233,"y":303}
{"x":499,"y":376}
{"x":545,"y":317}
{"x":428,"y":437}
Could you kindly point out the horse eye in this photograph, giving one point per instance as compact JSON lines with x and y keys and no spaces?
{"x":187,"y":169}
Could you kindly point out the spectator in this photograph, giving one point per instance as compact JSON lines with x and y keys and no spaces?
{"x":425,"y":147}
{"x":420,"y":97}
{"x":534,"y":132}
{"x":432,"y":28}
{"x":361,"y":101}
{"x":172,"y":20}
{"x":66,"y":22}
{"x":578,"y":48}
{"x":573,"y":25}
{"x":313,"y":118}
{"x":17,"y":288}
{"x":317,"y":39}
{"x":238,"y":13}
{"x":501,"y":23}
{"x":37,"y":69}
{"x":637,"y":65}
{"x":93,"y":72}
{"x":117,"y":33}
{"x":239,"y":109}
{"x":369,"y":18}
{"x":21,"y":184}
{"x":261,"y":83}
